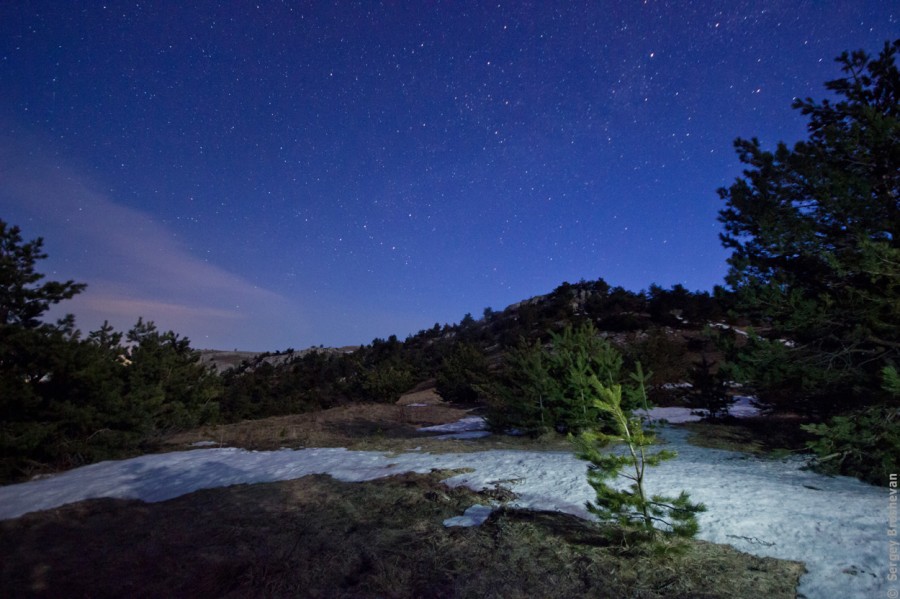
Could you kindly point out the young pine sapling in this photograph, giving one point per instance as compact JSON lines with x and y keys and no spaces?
{"x":631,"y":507}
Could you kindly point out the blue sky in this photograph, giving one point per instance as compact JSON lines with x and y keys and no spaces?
{"x":274,"y":174}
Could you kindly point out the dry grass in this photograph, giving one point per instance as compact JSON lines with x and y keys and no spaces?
{"x":375,"y":427}
{"x":317,"y":537}
{"x":761,"y":435}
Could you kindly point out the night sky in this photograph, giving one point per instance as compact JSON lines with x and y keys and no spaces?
{"x":285,"y":174}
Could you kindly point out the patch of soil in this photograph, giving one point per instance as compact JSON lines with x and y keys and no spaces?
{"x":208,"y":543}
{"x":344,"y":426}
{"x":318,"y":537}
{"x":374,"y":427}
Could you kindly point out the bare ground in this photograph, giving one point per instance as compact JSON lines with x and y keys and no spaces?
{"x":318,"y":537}
{"x":386,"y":427}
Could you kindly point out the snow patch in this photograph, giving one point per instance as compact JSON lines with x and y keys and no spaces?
{"x":465,"y":435}
{"x":469,"y":423}
{"x":473,"y":516}
{"x":741,"y":408}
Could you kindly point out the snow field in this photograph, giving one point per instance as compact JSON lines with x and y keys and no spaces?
{"x":837,"y":525}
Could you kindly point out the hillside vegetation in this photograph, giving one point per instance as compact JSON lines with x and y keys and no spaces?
{"x":809,"y":323}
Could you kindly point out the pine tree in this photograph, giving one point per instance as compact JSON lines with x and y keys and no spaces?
{"x":30,"y":351}
{"x":521,"y":396}
{"x":462,"y":374}
{"x":167,"y":388}
{"x":66,"y":400}
{"x":709,"y":390}
{"x":633,"y":508}
{"x":577,"y":356}
{"x":815,"y":234}
{"x":22,"y":300}
{"x":548,"y":388}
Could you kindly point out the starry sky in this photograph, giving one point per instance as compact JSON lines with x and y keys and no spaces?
{"x":273,"y":174}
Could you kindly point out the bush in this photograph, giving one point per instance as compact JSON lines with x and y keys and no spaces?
{"x":82,"y":400}
{"x":543,"y":389}
{"x":65,"y":400}
{"x":386,"y":382}
{"x":519,"y":396}
{"x":662,"y":351}
{"x":462,"y":374}
{"x":709,"y":390}
{"x":864,"y":443}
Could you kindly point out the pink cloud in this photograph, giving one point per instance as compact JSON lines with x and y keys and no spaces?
{"x":133,"y":265}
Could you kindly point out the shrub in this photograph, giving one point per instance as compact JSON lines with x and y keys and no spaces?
{"x":545,"y":388}
{"x":386,"y":381}
{"x":864,"y":443}
{"x":709,"y":390}
{"x":519,"y":396}
{"x":662,"y":351}
{"x":462,"y":374}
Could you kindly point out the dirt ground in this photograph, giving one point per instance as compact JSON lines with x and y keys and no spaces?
{"x":318,"y":537}
{"x":384,"y":427}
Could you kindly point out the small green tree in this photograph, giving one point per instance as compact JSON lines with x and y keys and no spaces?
{"x":548,"y":388}
{"x":386,"y":381}
{"x":632,"y":508}
{"x":709,"y":390}
{"x":462,"y":374}
{"x":519,"y":397}
{"x":577,"y":355}
{"x":167,"y":388}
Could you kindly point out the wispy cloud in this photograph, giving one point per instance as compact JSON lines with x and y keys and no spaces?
{"x":134,"y":266}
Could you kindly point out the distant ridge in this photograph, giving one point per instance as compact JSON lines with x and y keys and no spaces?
{"x":223,"y":360}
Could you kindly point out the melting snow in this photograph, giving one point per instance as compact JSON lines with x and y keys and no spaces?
{"x":470,"y":427}
{"x":473,"y":516}
{"x":469,"y":423}
{"x":741,"y":408}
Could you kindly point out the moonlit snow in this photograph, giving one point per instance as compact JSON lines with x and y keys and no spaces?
{"x":836,"y":525}
{"x":741,"y":408}
{"x":470,"y":427}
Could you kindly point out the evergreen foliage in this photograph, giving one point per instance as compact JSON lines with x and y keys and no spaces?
{"x":815,"y":234}
{"x":22,"y":300}
{"x":462,"y":375}
{"x":663,"y":352}
{"x":322,"y":379}
{"x":519,"y":397}
{"x":386,"y":381}
{"x":66,"y":400}
{"x":633,"y":508}
{"x":310,"y":381}
{"x":542,"y":389}
{"x":865,"y":442}
{"x":709,"y":390}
